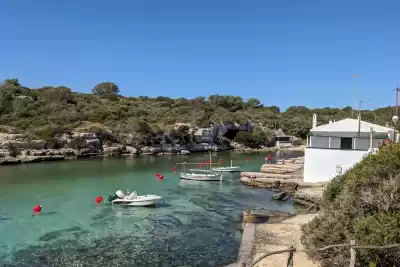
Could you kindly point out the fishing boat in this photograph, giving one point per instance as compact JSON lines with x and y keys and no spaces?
{"x":200,"y":171}
{"x":227,"y":169}
{"x":133,"y":199}
{"x":201,"y":176}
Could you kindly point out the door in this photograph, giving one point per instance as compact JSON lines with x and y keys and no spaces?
{"x":346,"y":143}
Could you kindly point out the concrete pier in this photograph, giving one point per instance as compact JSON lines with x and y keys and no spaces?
{"x":276,"y":230}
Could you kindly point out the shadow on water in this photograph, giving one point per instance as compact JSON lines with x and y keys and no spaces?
{"x":46,"y":213}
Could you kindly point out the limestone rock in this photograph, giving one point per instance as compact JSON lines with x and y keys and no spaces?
{"x":24,"y":144}
{"x":269,"y":175}
{"x":94,"y":143}
{"x":9,"y":160}
{"x":84,"y":135}
{"x":283,"y":196}
{"x":4,"y":153}
{"x":149,"y":150}
{"x":131,"y":150}
{"x":112,"y":150}
{"x":264,"y":215}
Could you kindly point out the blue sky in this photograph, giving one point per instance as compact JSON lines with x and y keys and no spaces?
{"x":281,"y":52}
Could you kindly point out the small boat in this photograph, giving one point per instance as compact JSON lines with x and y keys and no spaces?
{"x":201,"y":176}
{"x":227,"y":169}
{"x":200,"y":170}
{"x":133,"y":199}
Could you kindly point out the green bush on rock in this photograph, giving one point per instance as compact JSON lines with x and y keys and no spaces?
{"x":363,"y":204}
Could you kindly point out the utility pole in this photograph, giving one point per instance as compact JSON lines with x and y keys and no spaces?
{"x":397,"y":100}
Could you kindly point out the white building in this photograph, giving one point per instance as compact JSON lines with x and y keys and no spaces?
{"x":335,"y":147}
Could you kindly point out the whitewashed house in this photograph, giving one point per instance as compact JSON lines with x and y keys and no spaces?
{"x":335,"y":147}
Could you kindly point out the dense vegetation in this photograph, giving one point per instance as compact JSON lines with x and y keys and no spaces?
{"x":50,"y":110}
{"x":364,"y":205}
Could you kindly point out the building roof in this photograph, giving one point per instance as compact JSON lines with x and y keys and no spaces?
{"x":350,"y":126}
{"x":280,"y":132}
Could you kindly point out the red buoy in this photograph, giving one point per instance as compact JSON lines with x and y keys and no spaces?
{"x":201,"y":165}
{"x":99,"y":199}
{"x":37,"y":209}
{"x":247,"y":159}
{"x":208,"y":162}
{"x":160,"y":177}
{"x":174,"y":169}
{"x":158,"y":174}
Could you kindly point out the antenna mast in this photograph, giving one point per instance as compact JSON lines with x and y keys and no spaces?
{"x":359,"y":116}
{"x":359,"y":105}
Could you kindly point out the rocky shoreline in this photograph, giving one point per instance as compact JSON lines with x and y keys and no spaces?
{"x":35,"y":155}
{"x":20,"y":148}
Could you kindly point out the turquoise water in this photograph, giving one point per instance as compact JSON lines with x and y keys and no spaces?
{"x":198,"y":226}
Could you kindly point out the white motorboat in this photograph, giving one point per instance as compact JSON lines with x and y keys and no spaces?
{"x":133,"y":199}
{"x":201,"y":176}
{"x":227,"y":169}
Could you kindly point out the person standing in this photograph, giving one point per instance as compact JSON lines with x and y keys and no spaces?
{"x":268,"y":158}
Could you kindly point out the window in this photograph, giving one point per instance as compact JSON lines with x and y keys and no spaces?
{"x":346,"y":143}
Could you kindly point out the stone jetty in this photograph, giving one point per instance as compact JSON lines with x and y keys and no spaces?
{"x":265,"y":231}
{"x":286,"y":176}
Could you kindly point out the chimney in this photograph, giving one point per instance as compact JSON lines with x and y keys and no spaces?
{"x":314,"y":120}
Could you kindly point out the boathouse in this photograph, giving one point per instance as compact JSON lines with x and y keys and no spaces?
{"x":335,"y":147}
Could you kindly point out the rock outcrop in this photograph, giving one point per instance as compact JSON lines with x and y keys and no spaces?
{"x":264,"y":215}
{"x":22,"y":148}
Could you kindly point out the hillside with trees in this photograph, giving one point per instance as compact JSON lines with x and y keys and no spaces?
{"x":50,"y":110}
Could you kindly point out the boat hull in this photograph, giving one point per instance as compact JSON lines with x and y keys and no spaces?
{"x":201,"y":177}
{"x":140,"y":201}
{"x":226,"y":169}
{"x":201,"y":171}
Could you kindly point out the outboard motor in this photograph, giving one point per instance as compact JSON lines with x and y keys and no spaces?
{"x":112,"y":197}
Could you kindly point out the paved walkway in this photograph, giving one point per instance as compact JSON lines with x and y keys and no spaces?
{"x":272,"y":237}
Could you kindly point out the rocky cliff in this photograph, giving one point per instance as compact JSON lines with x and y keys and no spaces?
{"x":20,"y":148}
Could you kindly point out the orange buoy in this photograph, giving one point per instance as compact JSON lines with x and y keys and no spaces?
{"x":99,"y":199}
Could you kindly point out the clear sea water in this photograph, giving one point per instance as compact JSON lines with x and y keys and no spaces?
{"x":198,"y":226}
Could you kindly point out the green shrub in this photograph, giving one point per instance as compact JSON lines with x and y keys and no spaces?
{"x":362,"y":204}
